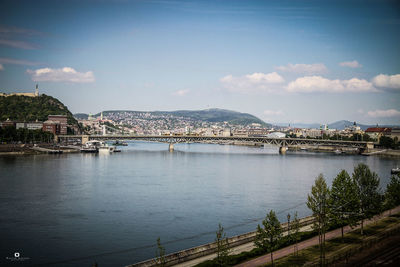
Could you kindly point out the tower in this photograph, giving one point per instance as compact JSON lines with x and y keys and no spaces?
{"x":37,"y":90}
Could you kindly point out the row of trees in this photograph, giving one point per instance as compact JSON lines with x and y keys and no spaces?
{"x":350,"y":201}
{"x":11,"y":134}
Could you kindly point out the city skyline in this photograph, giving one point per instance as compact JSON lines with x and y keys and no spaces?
{"x":282,"y":61}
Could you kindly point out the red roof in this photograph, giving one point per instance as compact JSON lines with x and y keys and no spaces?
{"x":378,"y":130}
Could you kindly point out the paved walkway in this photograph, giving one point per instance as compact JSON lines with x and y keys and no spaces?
{"x":235,"y":250}
{"x":308,"y":243}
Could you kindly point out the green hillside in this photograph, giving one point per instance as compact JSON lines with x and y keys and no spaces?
{"x":24,"y":108}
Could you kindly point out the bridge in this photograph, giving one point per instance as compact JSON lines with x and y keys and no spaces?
{"x":282,"y":143}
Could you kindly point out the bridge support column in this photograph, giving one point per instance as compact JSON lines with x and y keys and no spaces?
{"x":282,"y":150}
{"x":370,"y":146}
{"x":171,"y":147}
{"x":85,"y":138}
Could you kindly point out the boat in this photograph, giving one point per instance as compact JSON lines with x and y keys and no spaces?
{"x":338,"y":151}
{"x":95,"y":146}
{"x":91,"y":146}
{"x":117,"y":150}
{"x":395,"y":170}
{"x":106,"y":148}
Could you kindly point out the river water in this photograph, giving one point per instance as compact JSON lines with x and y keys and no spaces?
{"x":77,"y":209}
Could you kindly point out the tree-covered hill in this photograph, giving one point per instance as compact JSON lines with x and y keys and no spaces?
{"x":24,"y":108}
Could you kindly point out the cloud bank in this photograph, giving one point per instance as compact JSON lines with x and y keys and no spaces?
{"x":181,"y":92}
{"x":65,"y":74}
{"x":351,"y":64}
{"x":389,"y":113}
{"x":310,"y":84}
{"x":256,"y":82}
{"x":387,"y":81}
{"x":273,"y":112}
{"x":304,"y":68}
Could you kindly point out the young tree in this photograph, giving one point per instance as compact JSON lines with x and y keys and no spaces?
{"x":368,"y":192}
{"x":295,"y":232}
{"x":343,"y":200}
{"x":222,"y":246}
{"x":392,"y":194}
{"x":269,"y":237}
{"x":318,"y":203}
{"x":160,"y":254}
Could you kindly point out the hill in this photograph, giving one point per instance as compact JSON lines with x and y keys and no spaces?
{"x":207,"y":115}
{"x":25,"y":108}
{"x":341,"y":125}
{"x":338,"y":125}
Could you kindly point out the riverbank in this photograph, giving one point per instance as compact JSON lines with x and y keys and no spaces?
{"x":31,"y":149}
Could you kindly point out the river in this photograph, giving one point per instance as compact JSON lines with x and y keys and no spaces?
{"x":77,"y":209}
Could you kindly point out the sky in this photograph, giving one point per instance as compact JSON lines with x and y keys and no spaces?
{"x":282,"y":61}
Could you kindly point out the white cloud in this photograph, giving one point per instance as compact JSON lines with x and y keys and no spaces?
{"x":304,"y":68}
{"x":351,"y":64}
{"x":65,"y":74}
{"x":309,"y":84}
{"x":181,"y":92}
{"x":273,"y":112}
{"x":256,"y":82}
{"x":1,"y":67}
{"x":389,"y":113}
{"x":387,"y":81}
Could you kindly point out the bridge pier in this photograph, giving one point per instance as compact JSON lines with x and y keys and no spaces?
{"x":282,"y":150}
{"x":171,"y":147}
{"x":370,"y":146}
{"x":85,"y":138}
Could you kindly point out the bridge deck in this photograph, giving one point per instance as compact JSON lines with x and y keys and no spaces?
{"x":188,"y":138}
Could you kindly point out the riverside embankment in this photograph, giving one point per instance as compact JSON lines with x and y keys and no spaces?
{"x":31,"y":149}
{"x":193,"y":256}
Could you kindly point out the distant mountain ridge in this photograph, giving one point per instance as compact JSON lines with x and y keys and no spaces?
{"x":206,"y":115}
{"x":338,"y":125}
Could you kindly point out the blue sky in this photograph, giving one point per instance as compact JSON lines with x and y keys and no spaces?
{"x":283,"y":61}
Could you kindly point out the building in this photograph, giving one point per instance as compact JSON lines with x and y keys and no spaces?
{"x":377,"y":132}
{"x":35,"y":94}
{"x":62,"y":120}
{"x":258,"y":131}
{"x":51,"y":126}
{"x":276,"y":135}
{"x":35,"y":125}
{"x":7,"y":123}
{"x":312,"y":133}
{"x":395,"y":133}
